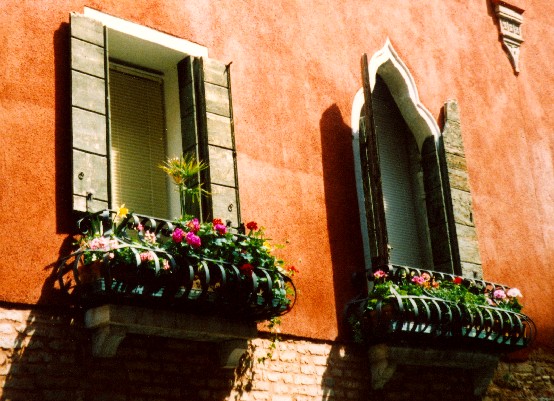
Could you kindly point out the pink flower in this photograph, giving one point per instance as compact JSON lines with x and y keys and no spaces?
{"x":419,"y":280}
{"x":140,"y":227}
{"x":102,"y":244}
{"x":193,"y":239}
{"x":514,"y":293}
{"x":178,"y":235}
{"x":379,"y":274}
{"x":147,"y":256}
{"x":220,"y":228}
{"x":499,"y":294}
{"x":150,"y":237}
{"x":165,"y":264}
{"x":193,"y":225}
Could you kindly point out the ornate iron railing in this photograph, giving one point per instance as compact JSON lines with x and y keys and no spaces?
{"x":188,"y":282}
{"x":425,"y":318}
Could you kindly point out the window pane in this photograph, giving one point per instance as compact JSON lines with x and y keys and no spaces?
{"x":138,"y":143}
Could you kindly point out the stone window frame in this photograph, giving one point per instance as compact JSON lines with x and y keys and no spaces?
{"x":200,"y":112}
{"x":459,"y":228}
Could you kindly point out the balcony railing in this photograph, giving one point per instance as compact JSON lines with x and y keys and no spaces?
{"x":425,"y":318}
{"x":169,"y":279}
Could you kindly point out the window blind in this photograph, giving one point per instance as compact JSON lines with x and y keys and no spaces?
{"x":404,"y":200}
{"x":138,"y":142}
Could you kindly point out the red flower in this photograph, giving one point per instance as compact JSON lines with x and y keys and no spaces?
{"x":253,"y":226}
{"x":293,"y":269}
{"x":246,"y":269}
{"x":215,"y":222}
{"x":458,"y":280}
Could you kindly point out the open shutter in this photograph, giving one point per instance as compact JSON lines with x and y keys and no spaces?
{"x":207,"y":131}
{"x":88,"y":115}
{"x":439,"y":207}
{"x":371,"y":176}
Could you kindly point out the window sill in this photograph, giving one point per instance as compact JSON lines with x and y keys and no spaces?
{"x":111,"y":323}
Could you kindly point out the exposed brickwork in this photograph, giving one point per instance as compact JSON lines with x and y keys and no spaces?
{"x":47,"y":356}
{"x":532,"y":380}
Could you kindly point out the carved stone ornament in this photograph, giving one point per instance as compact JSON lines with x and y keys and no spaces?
{"x":510,"y":19}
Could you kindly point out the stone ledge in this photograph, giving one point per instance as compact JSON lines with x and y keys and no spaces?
{"x":111,"y":323}
{"x":384,"y":360}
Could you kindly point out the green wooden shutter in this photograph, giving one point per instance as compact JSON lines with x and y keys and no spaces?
{"x":439,"y":207}
{"x":207,"y":131}
{"x":371,"y":176}
{"x":88,"y":115}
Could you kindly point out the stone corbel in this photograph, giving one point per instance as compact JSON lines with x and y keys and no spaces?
{"x":510,"y":19}
{"x":385,"y":358}
{"x":111,"y":323}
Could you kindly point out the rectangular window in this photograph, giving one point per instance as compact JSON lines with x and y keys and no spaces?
{"x":138,"y":141}
{"x":173,"y":100}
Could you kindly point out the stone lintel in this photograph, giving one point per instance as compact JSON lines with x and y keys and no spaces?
{"x":110,"y":324}
{"x":384,"y":359}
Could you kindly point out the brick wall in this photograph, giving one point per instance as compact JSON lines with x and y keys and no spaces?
{"x":529,"y":380}
{"x":46,"y":355}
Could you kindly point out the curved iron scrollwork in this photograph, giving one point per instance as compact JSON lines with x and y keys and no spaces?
{"x":425,"y":318}
{"x":175,"y":280}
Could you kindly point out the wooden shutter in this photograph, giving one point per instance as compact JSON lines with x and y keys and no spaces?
{"x":207,"y":131}
{"x":88,"y":115}
{"x":371,"y":176}
{"x":439,"y":207}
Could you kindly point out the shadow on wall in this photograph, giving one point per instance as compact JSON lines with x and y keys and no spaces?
{"x":63,"y":140}
{"x":343,"y":221}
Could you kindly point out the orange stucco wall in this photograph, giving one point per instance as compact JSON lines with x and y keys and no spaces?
{"x":295,"y":71}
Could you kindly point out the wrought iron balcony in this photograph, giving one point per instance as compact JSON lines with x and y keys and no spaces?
{"x":175,"y":280}
{"x":399,"y":317}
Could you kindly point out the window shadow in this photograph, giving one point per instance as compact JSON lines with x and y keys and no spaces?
{"x":343,"y":222}
{"x":63,"y":179}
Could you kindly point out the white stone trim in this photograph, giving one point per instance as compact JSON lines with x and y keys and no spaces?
{"x":147,"y":34}
{"x":387,"y":63}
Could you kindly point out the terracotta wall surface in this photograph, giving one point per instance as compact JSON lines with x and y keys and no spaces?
{"x":295,"y":72}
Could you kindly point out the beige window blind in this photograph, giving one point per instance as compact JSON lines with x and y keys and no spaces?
{"x":138,"y":142}
{"x":403,"y":193}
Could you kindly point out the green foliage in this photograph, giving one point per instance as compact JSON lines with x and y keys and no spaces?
{"x":184,"y":171}
{"x":458,"y":291}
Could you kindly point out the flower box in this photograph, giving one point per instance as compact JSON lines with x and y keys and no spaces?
{"x":125,"y":258}
{"x":418,"y":307}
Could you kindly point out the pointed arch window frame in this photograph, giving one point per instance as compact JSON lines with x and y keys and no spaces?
{"x":387,"y":63}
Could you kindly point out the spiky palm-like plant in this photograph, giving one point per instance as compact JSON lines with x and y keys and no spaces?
{"x":184,"y":171}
